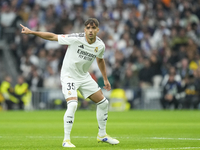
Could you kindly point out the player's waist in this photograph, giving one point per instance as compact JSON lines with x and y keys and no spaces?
{"x":73,"y":76}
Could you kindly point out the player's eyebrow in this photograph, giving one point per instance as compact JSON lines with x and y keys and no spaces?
{"x":89,"y":26}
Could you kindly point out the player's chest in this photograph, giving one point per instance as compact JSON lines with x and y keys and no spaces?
{"x":81,"y":48}
{"x":87,"y":49}
{"x":87,"y":52}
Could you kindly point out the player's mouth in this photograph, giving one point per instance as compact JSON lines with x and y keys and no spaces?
{"x":91,"y":34}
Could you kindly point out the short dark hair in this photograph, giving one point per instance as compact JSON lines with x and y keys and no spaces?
{"x":92,"y":21}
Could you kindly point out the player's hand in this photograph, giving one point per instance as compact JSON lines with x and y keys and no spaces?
{"x":107,"y":85}
{"x":25,"y":30}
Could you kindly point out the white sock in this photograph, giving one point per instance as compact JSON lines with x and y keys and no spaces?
{"x":69,"y":118}
{"x":102,"y":116}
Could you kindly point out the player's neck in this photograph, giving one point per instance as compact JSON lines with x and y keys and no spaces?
{"x":90,"y":41}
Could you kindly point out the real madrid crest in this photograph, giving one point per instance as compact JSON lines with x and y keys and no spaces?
{"x":96,"y":49}
{"x":69,"y":92}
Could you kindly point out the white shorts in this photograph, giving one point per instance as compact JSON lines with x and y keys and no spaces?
{"x":86,"y":87}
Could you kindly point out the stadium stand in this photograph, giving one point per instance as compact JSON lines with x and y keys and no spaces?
{"x":143,"y":38}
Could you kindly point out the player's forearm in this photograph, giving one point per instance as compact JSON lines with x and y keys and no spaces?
{"x":45,"y":35}
{"x":102,"y":67}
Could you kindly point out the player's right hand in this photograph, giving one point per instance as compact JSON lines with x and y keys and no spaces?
{"x":25,"y":30}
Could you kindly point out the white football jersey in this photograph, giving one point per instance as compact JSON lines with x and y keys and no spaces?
{"x":80,"y":55}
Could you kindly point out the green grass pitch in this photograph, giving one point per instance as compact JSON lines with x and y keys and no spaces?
{"x":136,"y":130}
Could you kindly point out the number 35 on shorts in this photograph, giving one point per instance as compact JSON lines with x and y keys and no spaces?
{"x":70,"y":86}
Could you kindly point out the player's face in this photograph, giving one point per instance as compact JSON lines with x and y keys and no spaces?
{"x":91,"y":31}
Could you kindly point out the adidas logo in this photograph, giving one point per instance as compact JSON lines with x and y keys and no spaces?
{"x":69,"y":121}
{"x":105,"y":139}
{"x":81,"y":46}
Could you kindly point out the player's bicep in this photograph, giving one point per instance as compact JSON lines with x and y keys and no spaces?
{"x":66,"y":39}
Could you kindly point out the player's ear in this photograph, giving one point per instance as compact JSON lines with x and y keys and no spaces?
{"x":97,"y":30}
{"x":84,"y":30}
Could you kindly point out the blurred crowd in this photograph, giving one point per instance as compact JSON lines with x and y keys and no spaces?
{"x":147,"y":42}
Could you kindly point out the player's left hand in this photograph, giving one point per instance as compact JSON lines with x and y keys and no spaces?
{"x":107,"y":85}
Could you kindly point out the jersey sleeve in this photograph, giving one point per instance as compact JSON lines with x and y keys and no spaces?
{"x":101,"y":55}
{"x":67,"y":39}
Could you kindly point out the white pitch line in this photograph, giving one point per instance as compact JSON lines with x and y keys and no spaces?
{"x":55,"y":137}
{"x":169,"y":148}
{"x":155,"y":138}
{"x":163,"y":138}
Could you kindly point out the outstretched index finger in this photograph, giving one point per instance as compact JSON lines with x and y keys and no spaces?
{"x":22,"y":26}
